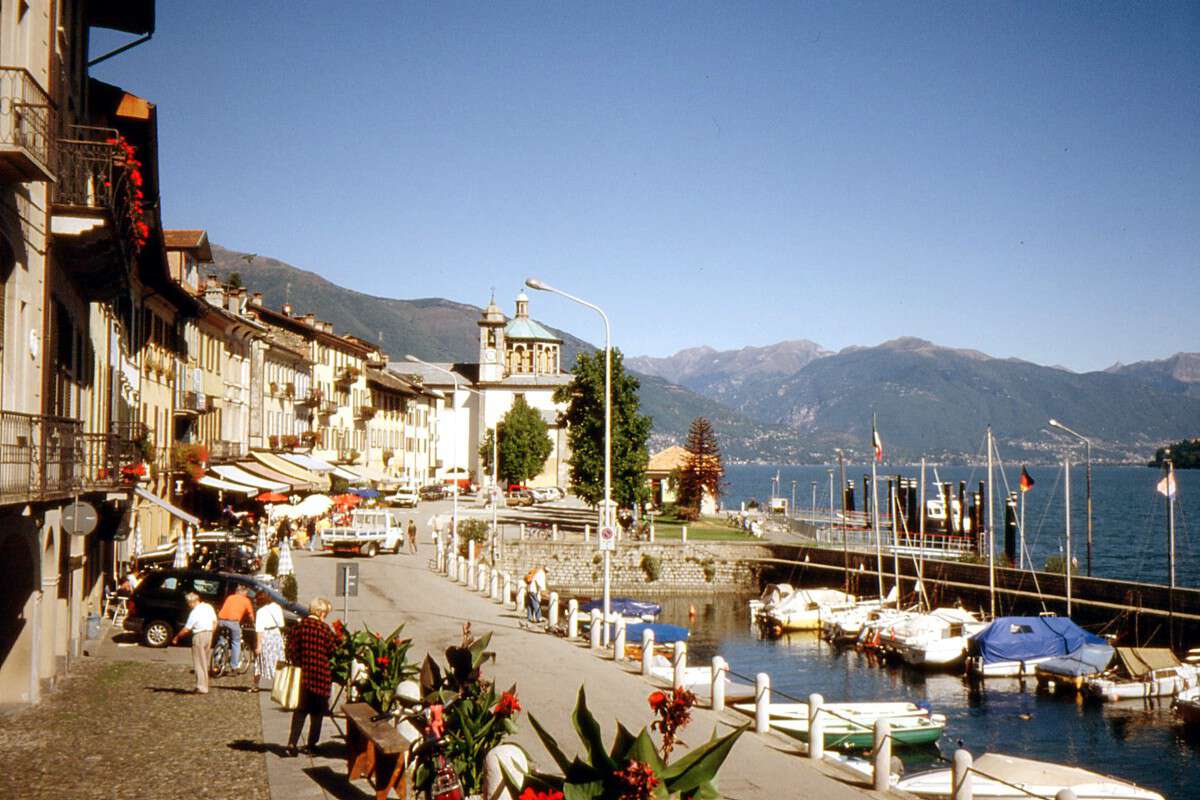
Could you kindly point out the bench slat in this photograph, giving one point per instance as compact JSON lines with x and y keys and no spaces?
{"x":382,"y":734}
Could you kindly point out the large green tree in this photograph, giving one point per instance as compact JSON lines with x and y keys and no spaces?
{"x":584,"y":396}
{"x":525,"y":443}
{"x":702,"y":471}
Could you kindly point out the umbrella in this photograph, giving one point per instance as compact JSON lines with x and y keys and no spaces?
{"x":285,"y":558}
{"x":315,"y":505}
{"x":181,"y":558}
{"x":367,"y":494}
{"x":191,"y":541}
{"x":135,"y":547}
{"x":347,"y":499}
{"x":260,"y":547}
{"x":271,"y":497}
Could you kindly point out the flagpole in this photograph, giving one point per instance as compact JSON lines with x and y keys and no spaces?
{"x":1169,"y":468}
{"x":1021,"y":533}
{"x":1067,"y":498}
{"x":921,"y":563}
{"x":991,"y":538}
{"x":875,"y":454}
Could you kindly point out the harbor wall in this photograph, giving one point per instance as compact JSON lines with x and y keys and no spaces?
{"x":659,"y":568}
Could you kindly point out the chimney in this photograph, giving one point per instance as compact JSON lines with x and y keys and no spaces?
{"x":287,"y":309}
{"x":310,"y":320}
{"x":214,"y":292}
{"x":327,"y":327}
{"x":256,"y":298}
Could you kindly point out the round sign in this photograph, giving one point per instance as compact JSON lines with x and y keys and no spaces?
{"x":80,"y":519}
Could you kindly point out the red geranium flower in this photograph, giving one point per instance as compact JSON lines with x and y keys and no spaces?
{"x":507,"y":706}
{"x":382,"y":661}
{"x":637,"y":781}
{"x":657,"y":700}
{"x":530,"y":794}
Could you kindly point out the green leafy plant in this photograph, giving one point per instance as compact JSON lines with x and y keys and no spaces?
{"x":652,"y":567}
{"x":289,"y":587}
{"x":472,"y":530}
{"x":191,"y":458}
{"x":272,"y":567}
{"x":710,"y":569}
{"x":384,"y":661}
{"x":631,"y":769}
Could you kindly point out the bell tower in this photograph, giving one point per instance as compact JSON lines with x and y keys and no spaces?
{"x":491,"y":343}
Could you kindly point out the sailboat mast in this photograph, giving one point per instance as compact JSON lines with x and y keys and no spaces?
{"x":1169,"y":468}
{"x":991,"y":537}
{"x":845,"y":544}
{"x":875,"y":525}
{"x":896,"y":544}
{"x":1021,"y":535}
{"x":1067,"y":496}
{"x":921,"y":550}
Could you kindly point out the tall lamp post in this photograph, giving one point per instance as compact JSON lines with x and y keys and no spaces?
{"x":1056,"y":424}
{"x":453,"y":434}
{"x":606,"y":514}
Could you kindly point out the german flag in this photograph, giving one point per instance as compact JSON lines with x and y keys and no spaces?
{"x":1026,"y":480}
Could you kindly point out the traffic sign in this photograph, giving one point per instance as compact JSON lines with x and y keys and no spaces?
{"x":607,"y":537}
{"x":79,"y":518}
{"x":347,"y":579}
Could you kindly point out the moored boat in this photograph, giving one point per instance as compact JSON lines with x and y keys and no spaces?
{"x":1187,"y":706}
{"x":1014,"y":646}
{"x":1071,"y":671}
{"x":937,"y":640}
{"x":802,"y":610}
{"x":1000,"y":777}
{"x":1143,"y":672}
{"x":852,"y":725}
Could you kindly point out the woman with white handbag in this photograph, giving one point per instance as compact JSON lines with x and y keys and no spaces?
{"x":310,"y":646}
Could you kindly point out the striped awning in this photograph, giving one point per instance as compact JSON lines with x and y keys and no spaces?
{"x":172,"y":509}
{"x":226,"y":486}
{"x":348,"y":476}
{"x":293,"y":484}
{"x":308,"y":462}
{"x":294,"y":471}
{"x":236,"y":474}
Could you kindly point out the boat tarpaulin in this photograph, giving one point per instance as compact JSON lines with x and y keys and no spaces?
{"x":1026,"y":638}
{"x":226,"y":486}
{"x":174,"y":510}
{"x":625,"y":606}
{"x":1139,"y":661}
{"x":1091,"y":659}
{"x":663,"y":633}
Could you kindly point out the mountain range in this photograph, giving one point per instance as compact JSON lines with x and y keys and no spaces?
{"x":796,"y":401}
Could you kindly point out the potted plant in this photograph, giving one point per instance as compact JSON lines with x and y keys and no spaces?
{"x":191,"y":458}
{"x":383,"y":664}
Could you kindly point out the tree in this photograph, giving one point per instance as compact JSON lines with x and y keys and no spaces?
{"x":585,"y":418}
{"x":235,"y":280}
{"x":525,"y":443}
{"x":702,"y":470}
{"x":485,"y":451}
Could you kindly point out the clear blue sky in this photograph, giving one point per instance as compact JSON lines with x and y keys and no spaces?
{"x":1023,"y":179}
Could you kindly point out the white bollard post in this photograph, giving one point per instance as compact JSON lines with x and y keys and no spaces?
{"x":816,"y":727}
{"x":485,"y":583}
{"x":554,"y":532}
{"x":471,"y":552}
{"x":573,"y":624}
{"x":679,"y":665}
{"x":683,"y":534}
{"x":960,"y":776}
{"x":719,"y":670}
{"x":762,"y":702}
{"x":520,"y":606}
{"x":505,"y":588}
{"x":619,"y":642}
{"x":552,"y":613}
{"x":463,"y":569}
{"x":1065,"y":793}
{"x":594,"y":631}
{"x":522,"y":531}
{"x":652,"y":530}
{"x":647,"y":650}
{"x":472,"y":572}
{"x":495,"y":592}
{"x":883,"y":755}
{"x":587,"y":533}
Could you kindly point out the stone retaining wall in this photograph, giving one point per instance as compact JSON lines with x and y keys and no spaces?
{"x":659,"y":567}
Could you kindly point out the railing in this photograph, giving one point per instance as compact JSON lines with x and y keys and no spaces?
{"x":346,"y":376}
{"x":364,"y":412}
{"x":326,"y":407}
{"x":189,"y":401}
{"x":87,"y":160}
{"x":26,"y":115}
{"x":312,"y":398}
{"x":224,"y":450}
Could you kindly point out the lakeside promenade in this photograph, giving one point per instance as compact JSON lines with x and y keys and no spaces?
{"x":548,"y":671}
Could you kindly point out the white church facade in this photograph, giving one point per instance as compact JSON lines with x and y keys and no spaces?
{"x":517,"y":357}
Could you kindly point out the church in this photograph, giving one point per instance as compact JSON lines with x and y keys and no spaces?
{"x":517,"y":358}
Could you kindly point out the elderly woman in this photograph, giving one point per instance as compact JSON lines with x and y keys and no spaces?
{"x":310,"y":646}
{"x":268,"y":647}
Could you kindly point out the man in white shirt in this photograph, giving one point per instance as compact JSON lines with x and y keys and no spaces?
{"x":201,"y":623}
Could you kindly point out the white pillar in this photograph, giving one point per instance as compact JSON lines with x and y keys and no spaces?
{"x":960,"y":776}
{"x":594,"y":632}
{"x":1066,"y":793}
{"x":619,"y":642}
{"x":495,"y":593}
{"x":522,"y":531}
{"x":683,"y":534}
{"x":471,"y":552}
{"x":506,"y":588}
{"x":762,"y":702}
{"x":679,"y":664}
{"x":554,"y":532}
{"x":552,"y":614}
{"x":587,"y":533}
{"x":485,"y":583}
{"x":520,"y":606}
{"x":472,"y":573}
{"x":573,"y":624}
{"x":647,"y":649}
{"x":816,"y":727}
{"x":883,"y":755}
{"x":463,"y":570}
{"x":719,"y":670}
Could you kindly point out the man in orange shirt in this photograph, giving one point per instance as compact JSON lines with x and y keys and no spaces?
{"x":236,"y":609}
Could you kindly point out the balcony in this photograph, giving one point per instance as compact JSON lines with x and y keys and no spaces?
{"x":364,"y":413}
{"x":189,"y":403}
{"x":326,"y":408}
{"x":312,"y":398}
{"x":346,"y":376}
{"x":26,"y":128}
{"x":222,"y":450}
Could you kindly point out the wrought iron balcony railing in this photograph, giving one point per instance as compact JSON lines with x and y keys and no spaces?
{"x":223,"y":450}
{"x":26,"y":127}
{"x":87,"y":161}
{"x":189,"y":402}
{"x":364,"y":412}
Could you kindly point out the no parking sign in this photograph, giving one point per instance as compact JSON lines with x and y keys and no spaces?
{"x":608,"y":537}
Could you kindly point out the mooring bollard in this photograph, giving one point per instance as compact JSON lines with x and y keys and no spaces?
{"x":679,"y":665}
{"x":816,"y":727}
{"x":463,"y":569}
{"x":554,"y":532}
{"x":587,"y":533}
{"x":651,"y":530}
{"x":719,"y":669}
{"x":960,"y":776}
{"x":1065,"y":793}
{"x":505,"y":588}
{"x":594,"y":631}
{"x":495,"y":593}
{"x":762,"y":702}
{"x":522,"y":531}
{"x":573,"y":624}
{"x":485,"y":582}
{"x":552,"y":611}
{"x":883,"y":754}
{"x":619,"y":642}
{"x":520,"y":606}
{"x":647,"y":650}
{"x":683,"y":534}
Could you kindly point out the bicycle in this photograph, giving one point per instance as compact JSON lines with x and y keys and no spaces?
{"x":218,"y":663}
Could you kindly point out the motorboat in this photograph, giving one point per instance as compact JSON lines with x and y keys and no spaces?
{"x":852,"y":725}
{"x":772,"y":595}
{"x":802,"y":610}
{"x":1071,"y":671}
{"x":627,"y":608}
{"x":1142,"y":672}
{"x":844,"y":624}
{"x":937,"y":640}
{"x":1014,"y":646}
{"x":1001,"y":777}
{"x":1187,"y":706}
{"x":870,"y":636}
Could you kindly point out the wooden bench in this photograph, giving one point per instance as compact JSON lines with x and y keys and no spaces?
{"x":375,"y":750}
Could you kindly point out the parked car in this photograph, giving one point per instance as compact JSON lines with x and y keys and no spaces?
{"x":158,"y":607}
{"x":519,"y":497}
{"x":404,"y":496}
{"x":435,"y":491}
{"x":542,"y":494}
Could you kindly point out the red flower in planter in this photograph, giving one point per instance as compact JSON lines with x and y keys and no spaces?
{"x":530,"y":794}
{"x":382,"y":661}
{"x":674,"y":712}
{"x":507,"y":706}
{"x":636,"y":781}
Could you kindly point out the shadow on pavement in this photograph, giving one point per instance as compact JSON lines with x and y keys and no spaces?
{"x":171,"y":690}
{"x":336,"y":785}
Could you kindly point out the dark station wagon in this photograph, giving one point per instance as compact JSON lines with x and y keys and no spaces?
{"x":158,"y":607}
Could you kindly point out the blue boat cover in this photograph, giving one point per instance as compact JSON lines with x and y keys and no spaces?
{"x":625,"y":606}
{"x":1090,"y":659}
{"x":1025,"y":638}
{"x":663,"y":633}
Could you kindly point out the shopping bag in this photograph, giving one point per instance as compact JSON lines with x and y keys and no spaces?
{"x":286,"y":688}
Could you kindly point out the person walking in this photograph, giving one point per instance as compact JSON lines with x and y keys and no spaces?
{"x":535,"y":583}
{"x":236,"y":609}
{"x":310,"y":645}
{"x":412,"y":535}
{"x":268,"y":640}
{"x":201,"y":622}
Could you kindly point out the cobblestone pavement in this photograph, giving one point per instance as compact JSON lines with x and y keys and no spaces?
{"x":126,"y":729}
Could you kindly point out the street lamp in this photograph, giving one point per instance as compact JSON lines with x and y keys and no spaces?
{"x":453,"y":436}
{"x":606,"y":514}
{"x":1056,"y":424}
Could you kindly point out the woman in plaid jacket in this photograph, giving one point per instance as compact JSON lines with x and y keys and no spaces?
{"x":310,"y":645}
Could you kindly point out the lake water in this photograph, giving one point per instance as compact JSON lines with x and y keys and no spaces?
{"x":1131,"y":739}
{"x":1128,"y":515}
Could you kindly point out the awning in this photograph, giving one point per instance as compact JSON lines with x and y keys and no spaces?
{"x":292,"y":484}
{"x":171,"y":509}
{"x":294,"y":471}
{"x":348,"y":476}
{"x":238,"y":475}
{"x":308,"y":462}
{"x":1139,"y":661}
{"x":226,"y":486}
